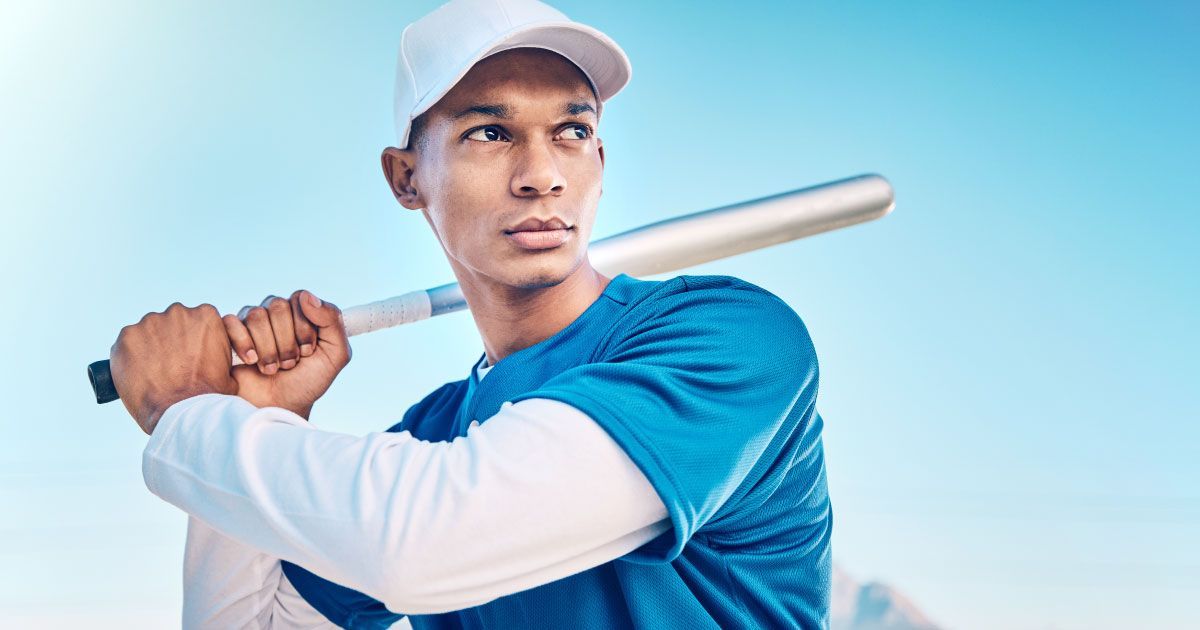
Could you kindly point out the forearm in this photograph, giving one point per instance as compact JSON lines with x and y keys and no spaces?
{"x":227,"y":584}
{"x":400,"y":519}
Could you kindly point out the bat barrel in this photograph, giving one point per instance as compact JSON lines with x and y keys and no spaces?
{"x":701,"y":237}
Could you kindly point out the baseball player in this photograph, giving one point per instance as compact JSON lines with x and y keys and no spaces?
{"x":624,"y":453}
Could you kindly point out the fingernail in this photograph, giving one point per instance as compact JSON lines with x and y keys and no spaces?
{"x":314,"y":300}
{"x":288,"y":364}
{"x":306,"y":349}
{"x":251,"y":357}
{"x":270,"y":368}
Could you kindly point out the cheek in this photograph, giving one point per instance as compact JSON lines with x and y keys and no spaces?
{"x":462,"y":209}
{"x":588,"y":185}
{"x":587,"y":174}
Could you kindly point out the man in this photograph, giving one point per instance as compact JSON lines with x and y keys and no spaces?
{"x":625,"y":452}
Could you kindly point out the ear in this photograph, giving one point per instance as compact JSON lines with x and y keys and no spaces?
{"x":398,"y":169}
{"x":600,"y":148}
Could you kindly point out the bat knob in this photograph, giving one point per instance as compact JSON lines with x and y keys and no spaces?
{"x":101,"y":378}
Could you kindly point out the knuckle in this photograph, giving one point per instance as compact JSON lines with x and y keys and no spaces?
{"x":279,"y":306}
{"x":256,"y":314}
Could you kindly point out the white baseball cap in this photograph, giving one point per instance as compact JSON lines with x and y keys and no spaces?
{"x":437,"y":50}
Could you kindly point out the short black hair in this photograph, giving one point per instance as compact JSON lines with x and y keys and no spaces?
{"x":416,"y":132}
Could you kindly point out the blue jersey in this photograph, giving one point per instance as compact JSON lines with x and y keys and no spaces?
{"x":709,"y":383}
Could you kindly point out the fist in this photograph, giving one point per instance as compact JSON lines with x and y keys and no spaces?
{"x":169,"y":356}
{"x":292,"y":349}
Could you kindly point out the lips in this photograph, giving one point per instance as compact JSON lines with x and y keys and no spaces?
{"x":534,"y":233}
{"x":534,"y":224}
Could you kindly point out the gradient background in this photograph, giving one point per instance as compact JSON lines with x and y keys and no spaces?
{"x":1008,"y":361}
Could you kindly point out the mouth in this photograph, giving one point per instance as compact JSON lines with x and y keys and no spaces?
{"x":540,"y":239}
{"x":535,"y":233}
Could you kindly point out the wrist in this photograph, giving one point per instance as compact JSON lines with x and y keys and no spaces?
{"x":156,"y":409}
{"x":301,"y":410}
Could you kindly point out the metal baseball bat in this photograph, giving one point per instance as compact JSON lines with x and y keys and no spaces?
{"x":669,"y":245}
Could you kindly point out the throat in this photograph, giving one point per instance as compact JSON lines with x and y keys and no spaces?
{"x":512,"y":321}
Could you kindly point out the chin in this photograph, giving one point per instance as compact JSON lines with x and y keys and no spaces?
{"x":539,"y":279}
{"x":541,"y":274}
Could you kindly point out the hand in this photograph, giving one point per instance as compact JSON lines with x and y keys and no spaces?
{"x":292,"y":350}
{"x":169,"y":356}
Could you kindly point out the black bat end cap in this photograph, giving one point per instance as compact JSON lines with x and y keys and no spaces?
{"x":101,"y":378}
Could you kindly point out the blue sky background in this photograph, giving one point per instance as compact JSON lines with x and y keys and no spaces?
{"x":1008,"y":360}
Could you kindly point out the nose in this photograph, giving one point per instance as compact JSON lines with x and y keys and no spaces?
{"x":537,"y":172}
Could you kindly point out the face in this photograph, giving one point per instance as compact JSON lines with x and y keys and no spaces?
{"x":509,"y":152}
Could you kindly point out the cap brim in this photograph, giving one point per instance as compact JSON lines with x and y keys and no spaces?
{"x":600,"y":58}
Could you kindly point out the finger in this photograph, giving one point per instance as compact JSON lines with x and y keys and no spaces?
{"x":331,"y":328}
{"x":239,"y":338}
{"x":306,"y":333}
{"x":258,"y":322}
{"x":280,"y":312}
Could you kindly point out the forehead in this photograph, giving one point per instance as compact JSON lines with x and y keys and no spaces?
{"x":519,"y":76}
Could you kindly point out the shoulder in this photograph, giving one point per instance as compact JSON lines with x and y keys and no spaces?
{"x":718,"y":315}
{"x":444,"y":399}
{"x":718,"y":300}
{"x":703,"y":290}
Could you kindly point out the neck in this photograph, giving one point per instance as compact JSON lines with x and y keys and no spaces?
{"x":513,"y":318}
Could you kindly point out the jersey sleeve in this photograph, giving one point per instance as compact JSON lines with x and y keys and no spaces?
{"x":695,"y":391}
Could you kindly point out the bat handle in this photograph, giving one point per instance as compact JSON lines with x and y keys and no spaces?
{"x":100,"y":376}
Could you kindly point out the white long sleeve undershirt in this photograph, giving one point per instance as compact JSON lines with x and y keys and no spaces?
{"x":537,"y":493}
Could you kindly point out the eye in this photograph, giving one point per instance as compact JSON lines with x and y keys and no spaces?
{"x":490,"y":133}
{"x":577,"y":131}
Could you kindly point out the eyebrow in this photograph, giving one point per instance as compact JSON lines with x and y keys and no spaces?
{"x":493,"y":111}
{"x":499,"y":110}
{"x":575,"y":109}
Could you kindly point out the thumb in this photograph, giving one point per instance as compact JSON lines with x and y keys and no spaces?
{"x":327,"y":317}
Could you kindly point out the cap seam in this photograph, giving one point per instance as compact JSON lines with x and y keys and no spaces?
{"x":412,"y":80}
{"x":504,"y":10}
